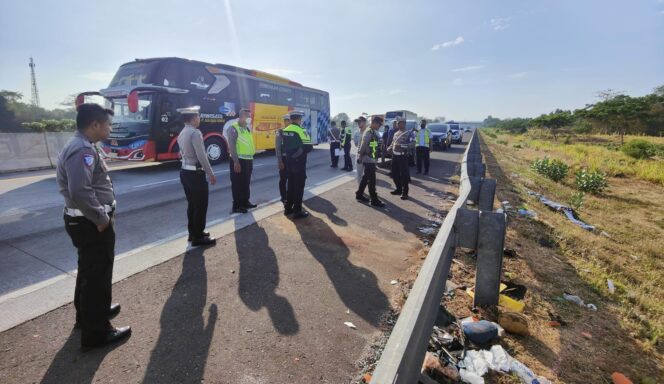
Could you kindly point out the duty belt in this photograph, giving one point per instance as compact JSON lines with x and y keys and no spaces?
{"x":73,"y":212}
{"x":190,"y":167}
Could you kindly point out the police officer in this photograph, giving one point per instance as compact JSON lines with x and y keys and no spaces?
{"x":362,"y":125}
{"x":334,"y":134}
{"x":296,"y":146}
{"x":400,"y":148}
{"x":84,"y":183}
{"x":283,"y":175}
{"x":423,"y":147}
{"x":367,"y":156}
{"x":195,"y":165}
{"x":241,"y":148}
{"x":346,"y":138}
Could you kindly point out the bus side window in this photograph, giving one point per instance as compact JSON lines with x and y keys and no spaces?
{"x":198,"y":78}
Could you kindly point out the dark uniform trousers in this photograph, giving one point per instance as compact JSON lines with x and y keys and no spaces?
{"x":422,"y":158}
{"x":297,"y":176}
{"x":196,"y":189}
{"x":283,"y":180}
{"x":92,"y":295}
{"x":333,"y":155}
{"x":401,"y":173}
{"x":369,"y":178}
{"x":348,"y":162}
{"x":240,"y":182}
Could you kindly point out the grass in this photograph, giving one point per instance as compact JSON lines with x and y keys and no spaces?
{"x":595,"y":152}
{"x":630,"y":214}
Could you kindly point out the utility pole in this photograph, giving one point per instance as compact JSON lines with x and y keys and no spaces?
{"x":33,"y":80}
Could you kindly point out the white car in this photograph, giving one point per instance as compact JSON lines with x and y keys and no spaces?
{"x":456,"y":136}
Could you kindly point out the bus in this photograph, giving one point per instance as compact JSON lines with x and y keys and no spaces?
{"x":392,"y":115}
{"x":145,"y":94}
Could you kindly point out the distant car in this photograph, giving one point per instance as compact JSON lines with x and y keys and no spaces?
{"x":456,"y":136}
{"x":467,"y":130}
{"x":440,"y":135}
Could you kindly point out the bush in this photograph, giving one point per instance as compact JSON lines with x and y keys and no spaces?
{"x":492,"y":135}
{"x":576,"y":201}
{"x":641,"y":149}
{"x":503,"y":142}
{"x":590,"y":181}
{"x":554,"y":169}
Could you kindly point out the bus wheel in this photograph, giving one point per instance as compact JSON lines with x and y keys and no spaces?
{"x":215,"y":150}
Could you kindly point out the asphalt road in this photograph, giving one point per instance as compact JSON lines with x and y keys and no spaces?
{"x":151,"y":206}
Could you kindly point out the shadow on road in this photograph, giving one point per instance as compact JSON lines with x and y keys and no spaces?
{"x":181,"y":352}
{"x":259,"y":278}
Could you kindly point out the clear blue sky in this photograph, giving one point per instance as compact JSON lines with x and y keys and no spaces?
{"x":452,"y":58}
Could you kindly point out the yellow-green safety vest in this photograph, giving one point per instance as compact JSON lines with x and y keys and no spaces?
{"x":423,"y":134}
{"x":373,"y":144}
{"x":244,"y":145}
{"x":347,"y":133}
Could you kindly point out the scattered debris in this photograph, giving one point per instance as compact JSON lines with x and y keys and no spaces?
{"x":555,"y":318}
{"x":514,"y":323}
{"x":619,"y":378}
{"x":366,"y":378}
{"x":509,"y":252}
{"x":587,"y":335}
{"x":393,"y":282}
{"x":525,"y":374}
{"x":527,"y":213}
{"x":612,"y":287}
{"x":350,"y":325}
{"x":427,"y":230}
{"x":578,"y":301}
{"x":566,"y":210}
{"x":232,"y":271}
{"x":480,"y":332}
{"x":603,"y":233}
{"x":434,"y":366}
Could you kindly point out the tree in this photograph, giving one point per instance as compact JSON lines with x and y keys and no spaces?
{"x":517,"y":125}
{"x":621,"y":114}
{"x":439,"y":119}
{"x":342,"y":116}
{"x":554,"y":121}
{"x":491,"y":121}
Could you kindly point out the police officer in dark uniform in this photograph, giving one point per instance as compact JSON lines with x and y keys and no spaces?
{"x":283,"y":174}
{"x":346,"y":139}
{"x":195,"y":165}
{"x":296,"y":146}
{"x":367,"y":155}
{"x":83,"y":181}
{"x":400,"y":148}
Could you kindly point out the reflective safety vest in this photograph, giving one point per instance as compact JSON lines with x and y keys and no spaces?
{"x":346,"y":135}
{"x":423,"y":137}
{"x":244,"y":145}
{"x":294,"y":138}
{"x":373,"y":143}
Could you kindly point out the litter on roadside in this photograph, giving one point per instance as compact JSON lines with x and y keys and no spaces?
{"x":612,"y":287}
{"x":505,"y":301}
{"x":514,"y":322}
{"x":477,"y":363}
{"x":527,"y":213}
{"x":393,"y":282}
{"x":566,"y":210}
{"x":350,"y":325}
{"x":619,"y":378}
{"x":578,"y":301}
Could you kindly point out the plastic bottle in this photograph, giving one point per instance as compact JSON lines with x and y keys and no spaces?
{"x":574,"y":299}
{"x":525,"y":374}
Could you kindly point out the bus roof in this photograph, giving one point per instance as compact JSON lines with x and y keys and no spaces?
{"x":230,"y":68}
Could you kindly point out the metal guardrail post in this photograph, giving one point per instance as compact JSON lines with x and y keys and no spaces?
{"x":483,"y":230}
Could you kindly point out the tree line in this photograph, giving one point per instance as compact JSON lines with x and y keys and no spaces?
{"x":17,"y":116}
{"x":615,"y":113}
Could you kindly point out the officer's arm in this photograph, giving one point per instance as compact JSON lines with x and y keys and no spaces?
{"x":232,"y":143}
{"x":199,"y":148}
{"x":364,"y":143}
{"x":79,"y":183}
{"x":277,"y":145}
{"x":306,"y":144}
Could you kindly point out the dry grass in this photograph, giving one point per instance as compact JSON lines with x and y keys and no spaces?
{"x":628,"y":329}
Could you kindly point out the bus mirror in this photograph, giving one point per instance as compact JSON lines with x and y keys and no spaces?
{"x":132,"y":102}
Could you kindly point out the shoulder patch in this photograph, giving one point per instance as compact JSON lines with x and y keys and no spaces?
{"x":88,"y":159}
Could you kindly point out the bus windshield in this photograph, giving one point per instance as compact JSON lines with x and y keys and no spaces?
{"x":393,"y":115}
{"x":124,"y":115}
{"x":133,"y":74}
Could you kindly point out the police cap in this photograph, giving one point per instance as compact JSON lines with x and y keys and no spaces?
{"x":296,"y":114}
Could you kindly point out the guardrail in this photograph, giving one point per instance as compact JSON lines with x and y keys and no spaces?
{"x":30,"y":151}
{"x":479,"y":229}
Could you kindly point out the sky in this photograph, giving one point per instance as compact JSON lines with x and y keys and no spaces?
{"x":460,"y":59}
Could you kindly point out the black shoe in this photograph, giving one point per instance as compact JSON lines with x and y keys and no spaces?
{"x":204,"y":241}
{"x":404,"y":197}
{"x":426,"y":173}
{"x":377,"y":203}
{"x":250,"y":205}
{"x":396,"y":192}
{"x":287,"y":212}
{"x":113,"y":311}
{"x":112,"y":336}
{"x":239,"y":210}
{"x":204,"y":235}
{"x":361,"y":198}
{"x":301,"y":214}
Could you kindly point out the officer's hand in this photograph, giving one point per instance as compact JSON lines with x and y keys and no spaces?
{"x":103,"y":227}
{"x":281,"y":166}
{"x":237,"y":168}
{"x":213,"y":179}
